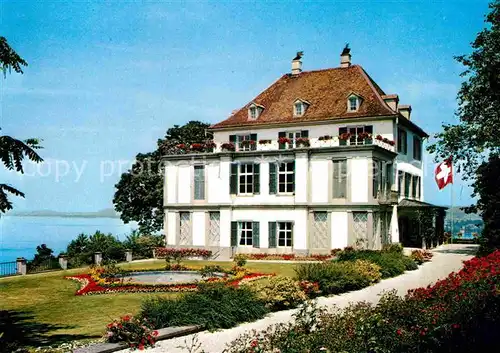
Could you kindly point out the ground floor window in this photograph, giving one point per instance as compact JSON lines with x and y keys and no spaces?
{"x":360,"y":228}
{"x":285,"y":234}
{"x":245,"y":231}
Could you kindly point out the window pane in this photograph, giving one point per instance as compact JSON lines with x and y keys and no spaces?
{"x":281,"y":188}
{"x":282,"y":178}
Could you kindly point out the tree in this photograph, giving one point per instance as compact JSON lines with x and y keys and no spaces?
{"x":475,"y":140}
{"x":139,"y":193}
{"x":486,"y":187}
{"x":13,"y":151}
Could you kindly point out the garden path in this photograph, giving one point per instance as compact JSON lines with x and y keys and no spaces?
{"x":447,"y":259}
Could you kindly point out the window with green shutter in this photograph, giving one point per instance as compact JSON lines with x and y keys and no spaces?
{"x":253,"y":146}
{"x":256,"y":234}
{"x":272,"y":235}
{"x":282,"y":146}
{"x":233,"y":179}
{"x":272,"y":178}
{"x":256,"y":178}
{"x":234,"y":233}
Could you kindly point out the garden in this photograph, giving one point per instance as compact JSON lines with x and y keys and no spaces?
{"x":460,"y":313}
{"x":224,"y":295}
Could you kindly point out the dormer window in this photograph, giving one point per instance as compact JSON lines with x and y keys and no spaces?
{"x":254,"y":111}
{"x":300,"y":107}
{"x":353,"y":103}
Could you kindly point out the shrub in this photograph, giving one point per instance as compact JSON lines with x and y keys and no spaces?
{"x":240,"y":260}
{"x":458,"y":314}
{"x":179,"y":254}
{"x":278,"y":292}
{"x":410,"y":265}
{"x":214,"y":306}
{"x":80,"y":251}
{"x":137,"y":333}
{"x":338,"y":277}
{"x":421,"y":256}
{"x":391,"y":263}
{"x":210,"y":270}
{"x":393,"y":248}
{"x":142,"y":245}
{"x":43,"y":260}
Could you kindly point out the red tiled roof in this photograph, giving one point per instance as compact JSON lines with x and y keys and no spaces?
{"x":326,"y":91}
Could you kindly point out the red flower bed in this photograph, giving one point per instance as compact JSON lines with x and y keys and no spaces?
{"x":182,"y":253}
{"x":287,"y":257}
{"x":89,"y":286}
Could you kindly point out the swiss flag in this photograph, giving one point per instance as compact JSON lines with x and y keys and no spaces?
{"x":444,"y":173}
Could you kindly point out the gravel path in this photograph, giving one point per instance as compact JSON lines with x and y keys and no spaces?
{"x":447,"y":258}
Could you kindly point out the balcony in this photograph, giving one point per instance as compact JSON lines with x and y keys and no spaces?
{"x":301,"y":143}
{"x":286,"y":144}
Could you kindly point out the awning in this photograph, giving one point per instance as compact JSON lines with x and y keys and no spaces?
{"x":418,"y":204}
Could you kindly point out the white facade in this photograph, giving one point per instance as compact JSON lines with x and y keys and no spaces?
{"x":311,"y":206}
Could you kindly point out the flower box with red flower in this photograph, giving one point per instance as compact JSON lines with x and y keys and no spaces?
{"x":379,"y":138}
{"x":265,"y":142}
{"x":302,"y":142}
{"x":181,"y":146}
{"x":227,"y":146}
{"x":365,"y":137}
{"x":325,"y":138}
{"x":247,"y":143}
{"x":197,"y":147}
{"x":210,"y":146}
{"x":283,"y":140}
{"x":343,"y":138}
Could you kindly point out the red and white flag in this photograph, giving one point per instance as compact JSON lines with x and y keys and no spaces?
{"x":444,"y":173}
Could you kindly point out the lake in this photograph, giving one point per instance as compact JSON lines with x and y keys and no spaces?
{"x":19,"y":236}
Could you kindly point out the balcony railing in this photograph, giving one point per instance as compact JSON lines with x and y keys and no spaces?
{"x":271,"y":145}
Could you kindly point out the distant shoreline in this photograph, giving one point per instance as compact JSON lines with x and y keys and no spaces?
{"x":61,"y":216}
{"x":106,"y":213}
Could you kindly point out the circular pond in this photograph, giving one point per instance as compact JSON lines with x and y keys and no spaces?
{"x":165,"y":277}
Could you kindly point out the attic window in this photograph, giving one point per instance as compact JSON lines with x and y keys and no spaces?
{"x":353,"y":103}
{"x":299,"y":109}
{"x":253,"y":113}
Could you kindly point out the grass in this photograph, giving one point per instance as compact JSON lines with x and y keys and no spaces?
{"x":50,"y":299}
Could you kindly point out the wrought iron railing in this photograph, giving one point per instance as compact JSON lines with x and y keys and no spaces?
{"x":8,"y":268}
{"x":46,"y":265}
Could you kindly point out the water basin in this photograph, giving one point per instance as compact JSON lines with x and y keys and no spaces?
{"x":165,"y":277}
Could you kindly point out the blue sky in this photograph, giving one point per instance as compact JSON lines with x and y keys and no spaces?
{"x":106,"y":79}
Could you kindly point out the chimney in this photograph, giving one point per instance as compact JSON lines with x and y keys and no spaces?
{"x":297,"y":63}
{"x":405,"y":110}
{"x":345,"y":57}
{"x":392,"y":101}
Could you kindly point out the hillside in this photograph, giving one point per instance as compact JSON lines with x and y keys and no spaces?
{"x":105,"y":213}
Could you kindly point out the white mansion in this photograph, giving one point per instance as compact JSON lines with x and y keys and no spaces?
{"x":319,"y":160}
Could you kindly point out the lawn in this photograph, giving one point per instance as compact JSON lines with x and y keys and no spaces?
{"x":48,"y":300}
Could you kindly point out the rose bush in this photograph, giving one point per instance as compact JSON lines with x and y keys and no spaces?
{"x":460,"y":313}
{"x":137,"y":333}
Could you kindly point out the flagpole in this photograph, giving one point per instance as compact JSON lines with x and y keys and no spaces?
{"x":452,"y":215}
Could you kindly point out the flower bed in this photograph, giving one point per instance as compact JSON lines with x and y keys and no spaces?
{"x":182,"y":253}
{"x":285,"y":257}
{"x":460,"y":313}
{"x":93,"y":283}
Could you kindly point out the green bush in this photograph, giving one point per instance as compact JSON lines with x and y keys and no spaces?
{"x":458,"y":314}
{"x":392,"y":263}
{"x":80,"y":251}
{"x":278,"y":292}
{"x":214,"y":306}
{"x":393,"y":248}
{"x":337,"y":277}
